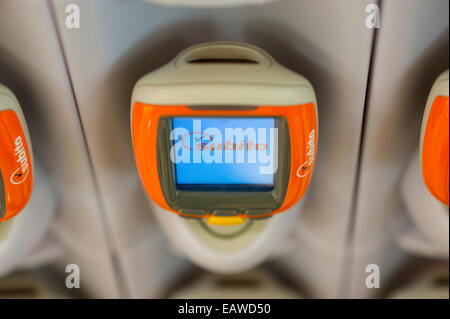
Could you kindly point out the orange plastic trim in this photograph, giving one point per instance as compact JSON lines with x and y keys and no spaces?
{"x":435,"y":153}
{"x":302,"y":122}
{"x":15,"y":164}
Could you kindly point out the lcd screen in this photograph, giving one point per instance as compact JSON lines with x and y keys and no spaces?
{"x":220,"y":154}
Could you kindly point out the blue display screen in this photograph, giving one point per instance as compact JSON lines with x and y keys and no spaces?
{"x":220,"y":154}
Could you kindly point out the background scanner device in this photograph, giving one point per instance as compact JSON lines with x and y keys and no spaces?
{"x":16,"y":158}
{"x":225,"y":137}
{"x":27,"y":202}
{"x":425,"y":186}
{"x":434,"y":140}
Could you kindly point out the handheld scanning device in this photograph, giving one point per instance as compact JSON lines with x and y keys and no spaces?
{"x":225,"y":138}
{"x":16,"y":161}
{"x":224,"y":133}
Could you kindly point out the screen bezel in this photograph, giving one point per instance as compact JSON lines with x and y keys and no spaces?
{"x":239,"y":200}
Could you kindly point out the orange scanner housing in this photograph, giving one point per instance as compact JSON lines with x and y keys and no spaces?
{"x":302,"y":125}
{"x":15,"y":164}
{"x":435,"y":155}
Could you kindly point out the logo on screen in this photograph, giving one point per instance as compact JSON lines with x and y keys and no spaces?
{"x":205,"y":142}
{"x":225,"y":145}
{"x":201,"y":141}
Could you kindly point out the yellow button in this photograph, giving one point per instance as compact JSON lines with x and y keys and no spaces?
{"x":225,"y":220}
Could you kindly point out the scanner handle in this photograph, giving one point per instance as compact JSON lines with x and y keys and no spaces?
{"x":224,"y":53}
